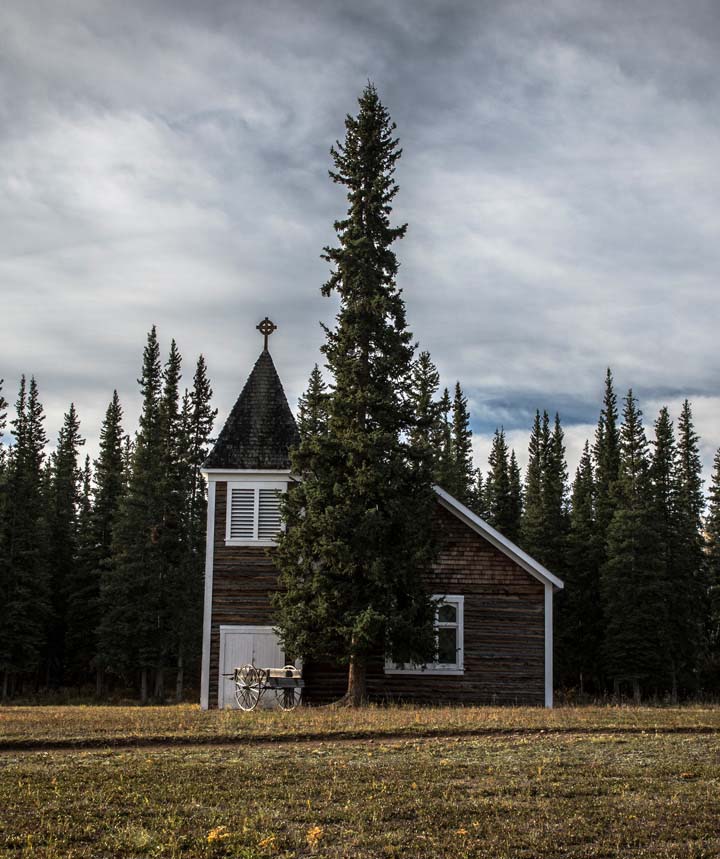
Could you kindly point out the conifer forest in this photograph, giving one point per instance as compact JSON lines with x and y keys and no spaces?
{"x":102,"y":562}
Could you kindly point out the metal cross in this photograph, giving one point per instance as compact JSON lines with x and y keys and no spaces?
{"x":266,"y":328}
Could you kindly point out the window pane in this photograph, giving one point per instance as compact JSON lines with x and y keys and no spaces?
{"x":447,"y":614}
{"x":447,"y":644}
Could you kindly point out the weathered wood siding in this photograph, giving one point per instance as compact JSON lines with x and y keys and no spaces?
{"x":504,"y":630}
{"x":243,"y":579}
{"x":504,"y":627}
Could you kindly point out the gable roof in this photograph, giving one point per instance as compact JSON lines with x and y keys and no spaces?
{"x":495,"y":538}
{"x":260,"y":429}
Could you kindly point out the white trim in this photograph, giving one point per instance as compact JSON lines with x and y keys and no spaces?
{"x":548,"y":645}
{"x":256,"y":486}
{"x":433,"y":668}
{"x":207,"y":605}
{"x":507,"y":547}
{"x":218,"y":475}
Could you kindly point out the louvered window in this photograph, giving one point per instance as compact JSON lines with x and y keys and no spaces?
{"x":242,"y":514}
{"x":268,"y":514}
{"x":253,"y":513}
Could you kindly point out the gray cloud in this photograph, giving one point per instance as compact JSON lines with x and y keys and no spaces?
{"x":167,"y":162}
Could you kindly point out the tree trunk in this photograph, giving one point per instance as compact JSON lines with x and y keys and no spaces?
{"x":5,"y":685}
{"x":616,"y":688}
{"x":99,"y":682}
{"x":357,"y":683}
{"x":636,"y":690}
{"x":144,"y":686}
{"x":160,"y":685}
{"x":582,"y":685}
{"x":674,"y":690}
{"x":179,"y":679}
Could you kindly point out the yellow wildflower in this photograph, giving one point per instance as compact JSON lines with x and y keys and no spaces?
{"x":218,"y":833}
{"x":314,"y":834}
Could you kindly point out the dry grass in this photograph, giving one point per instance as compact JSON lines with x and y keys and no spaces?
{"x":122,"y":725}
{"x":591,"y":792}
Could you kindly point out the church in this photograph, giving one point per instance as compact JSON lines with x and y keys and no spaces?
{"x":494,"y":623}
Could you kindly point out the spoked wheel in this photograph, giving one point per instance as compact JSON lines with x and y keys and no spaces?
{"x":247,"y":687}
{"x":288,"y":697}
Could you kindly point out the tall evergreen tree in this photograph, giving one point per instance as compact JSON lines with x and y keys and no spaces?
{"x":663,"y":502}
{"x":110,"y":484}
{"x":197,"y":418}
{"x":631,"y":579}
{"x":128,"y":629}
{"x":312,"y":406}
{"x":554,"y":498}
{"x":689,"y":604}
{"x":532,"y":528}
{"x":82,"y":591}
{"x":359,"y":522}
{"x":3,"y":422}
{"x":512,"y":531}
{"x":580,"y":621}
{"x":24,"y":586}
{"x":445,"y":472}
{"x":712,"y":531}
{"x":498,"y":500}
{"x":63,"y":534}
{"x":428,"y":432}
{"x":606,"y":453}
{"x":462,"y":449}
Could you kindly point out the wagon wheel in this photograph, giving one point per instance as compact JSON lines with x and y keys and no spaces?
{"x":289,"y":697}
{"x":247,"y":688}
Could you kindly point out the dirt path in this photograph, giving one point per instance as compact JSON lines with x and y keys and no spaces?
{"x":219,"y":740}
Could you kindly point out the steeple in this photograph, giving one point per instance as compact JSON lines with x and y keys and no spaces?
{"x":260,"y":428}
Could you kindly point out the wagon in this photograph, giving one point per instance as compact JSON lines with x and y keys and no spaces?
{"x":252,"y":683}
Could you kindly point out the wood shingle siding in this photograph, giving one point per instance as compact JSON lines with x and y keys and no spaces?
{"x":504,"y":623}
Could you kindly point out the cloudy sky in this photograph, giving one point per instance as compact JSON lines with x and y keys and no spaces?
{"x":166,"y":162}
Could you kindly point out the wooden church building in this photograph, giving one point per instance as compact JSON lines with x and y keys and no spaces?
{"x":494,"y":625}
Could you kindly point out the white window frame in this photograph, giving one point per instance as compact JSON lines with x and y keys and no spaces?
{"x":433,"y":668}
{"x":256,"y":486}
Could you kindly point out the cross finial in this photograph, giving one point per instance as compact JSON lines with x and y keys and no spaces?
{"x":266,"y":328}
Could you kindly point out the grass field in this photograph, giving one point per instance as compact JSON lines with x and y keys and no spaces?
{"x":585,"y":782}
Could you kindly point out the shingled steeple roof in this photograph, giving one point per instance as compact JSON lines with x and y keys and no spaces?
{"x":260,"y":428}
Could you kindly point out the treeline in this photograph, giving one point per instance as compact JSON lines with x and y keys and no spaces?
{"x":101,"y":564}
{"x":631,"y":536}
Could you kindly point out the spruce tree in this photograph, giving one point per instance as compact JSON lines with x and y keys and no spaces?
{"x":110,"y":484}
{"x":197,"y":418}
{"x":532,"y":528}
{"x":358,"y":531}
{"x":82,"y":591}
{"x":445,"y":471}
{"x":63,"y":536}
{"x":24,"y":586}
{"x":129,"y":627}
{"x":3,"y":423}
{"x":427,"y":434}
{"x":689,"y":598}
{"x":663,"y":501}
{"x":606,"y":453}
{"x":631,"y":578}
{"x":554,"y":499}
{"x":580,"y":623}
{"x":312,"y":406}
{"x":512,"y":531}
{"x":712,"y":573}
{"x":498,"y":495}
{"x":462,"y":449}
